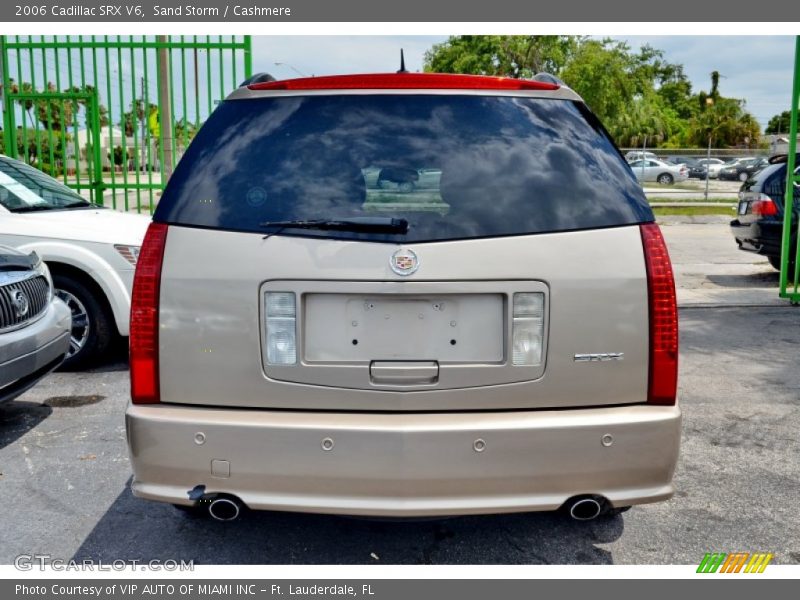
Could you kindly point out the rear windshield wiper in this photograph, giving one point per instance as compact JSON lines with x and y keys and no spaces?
{"x":358,"y":224}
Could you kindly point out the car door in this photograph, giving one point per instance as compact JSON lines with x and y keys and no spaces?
{"x":639,"y":169}
{"x":652,"y":170}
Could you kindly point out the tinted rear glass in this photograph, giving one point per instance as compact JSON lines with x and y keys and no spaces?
{"x":772,"y":181}
{"x":453,"y":166}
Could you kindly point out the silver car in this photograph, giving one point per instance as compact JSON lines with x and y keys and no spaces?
{"x":34,"y":324}
{"x":303,"y":339}
{"x":659,"y":171}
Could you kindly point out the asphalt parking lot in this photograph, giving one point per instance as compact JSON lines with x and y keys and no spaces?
{"x":64,"y":471}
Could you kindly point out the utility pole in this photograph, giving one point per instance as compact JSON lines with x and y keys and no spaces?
{"x":164,"y":108}
{"x":708,"y":165}
{"x":709,"y":102}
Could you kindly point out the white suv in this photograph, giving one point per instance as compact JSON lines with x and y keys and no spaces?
{"x":91,"y":252}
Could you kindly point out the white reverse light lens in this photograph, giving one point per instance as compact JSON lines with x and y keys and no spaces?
{"x":281,"y":328}
{"x":527,"y":329}
{"x":529,"y":305}
{"x":280,"y":304}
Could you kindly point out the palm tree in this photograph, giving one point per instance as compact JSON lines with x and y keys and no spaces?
{"x":641,"y":123}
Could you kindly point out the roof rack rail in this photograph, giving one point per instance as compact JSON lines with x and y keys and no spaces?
{"x":258,"y":78}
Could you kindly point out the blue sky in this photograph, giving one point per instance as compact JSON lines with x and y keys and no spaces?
{"x":756,"y":68}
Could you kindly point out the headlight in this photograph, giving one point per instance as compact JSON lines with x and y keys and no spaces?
{"x":129,"y":253}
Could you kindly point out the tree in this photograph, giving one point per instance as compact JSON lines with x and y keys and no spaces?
{"x":135,"y":119}
{"x":55,"y":114}
{"x":722,"y":122}
{"x":502,"y":55}
{"x":600,"y":71}
{"x":779,"y":123}
{"x":185,"y":130}
{"x":638,"y":94}
{"x":645,"y":121}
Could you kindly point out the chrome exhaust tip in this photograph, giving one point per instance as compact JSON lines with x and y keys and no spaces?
{"x":585,"y":509}
{"x":224,"y":509}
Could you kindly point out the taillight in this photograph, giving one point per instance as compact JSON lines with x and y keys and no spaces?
{"x":144,"y":317}
{"x":663,"y":381}
{"x":764,"y":206}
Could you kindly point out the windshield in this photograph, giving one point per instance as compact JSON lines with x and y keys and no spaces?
{"x":452,"y":166}
{"x":23,"y":189}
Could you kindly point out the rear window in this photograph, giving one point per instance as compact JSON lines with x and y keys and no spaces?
{"x":453,"y":166}
{"x":771,"y":181}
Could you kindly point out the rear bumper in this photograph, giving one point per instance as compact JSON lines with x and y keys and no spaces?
{"x":30,"y":353}
{"x":761,"y":237}
{"x":404,"y":464}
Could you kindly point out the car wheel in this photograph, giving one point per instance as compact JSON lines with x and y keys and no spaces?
{"x":665,"y":179}
{"x":743,"y":176}
{"x":406,"y":187}
{"x":775,"y":261}
{"x":384,"y":184}
{"x":91,"y":333}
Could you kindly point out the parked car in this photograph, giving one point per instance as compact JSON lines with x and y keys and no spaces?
{"x":698,"y":171}
{"x":310,"y":355}
{"x":686,"y":161}
{"x":742,"y":169}
{"x":633,"y":155}
{"x":706,"y":167}
{"x":759,"y":225}
{"x":659,"y":171}
{"x":34,"y":324}
{"x":90,"y":251}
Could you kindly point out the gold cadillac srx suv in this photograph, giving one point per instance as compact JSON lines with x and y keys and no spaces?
{"x":404,"y":295}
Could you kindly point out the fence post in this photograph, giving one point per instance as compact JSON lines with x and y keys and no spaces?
{"x":788,"y":203}
{"x":8,"y":105}
{"x":248,"y":57}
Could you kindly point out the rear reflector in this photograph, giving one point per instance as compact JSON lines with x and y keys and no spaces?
{"x":396,"y":81}
{"x":144,"y":317}
{"x":663,"y":382}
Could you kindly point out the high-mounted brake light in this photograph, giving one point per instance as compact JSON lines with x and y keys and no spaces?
{"x":663,"y":381}
{"x":144,"y":317}
{"x":420,"y":81}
